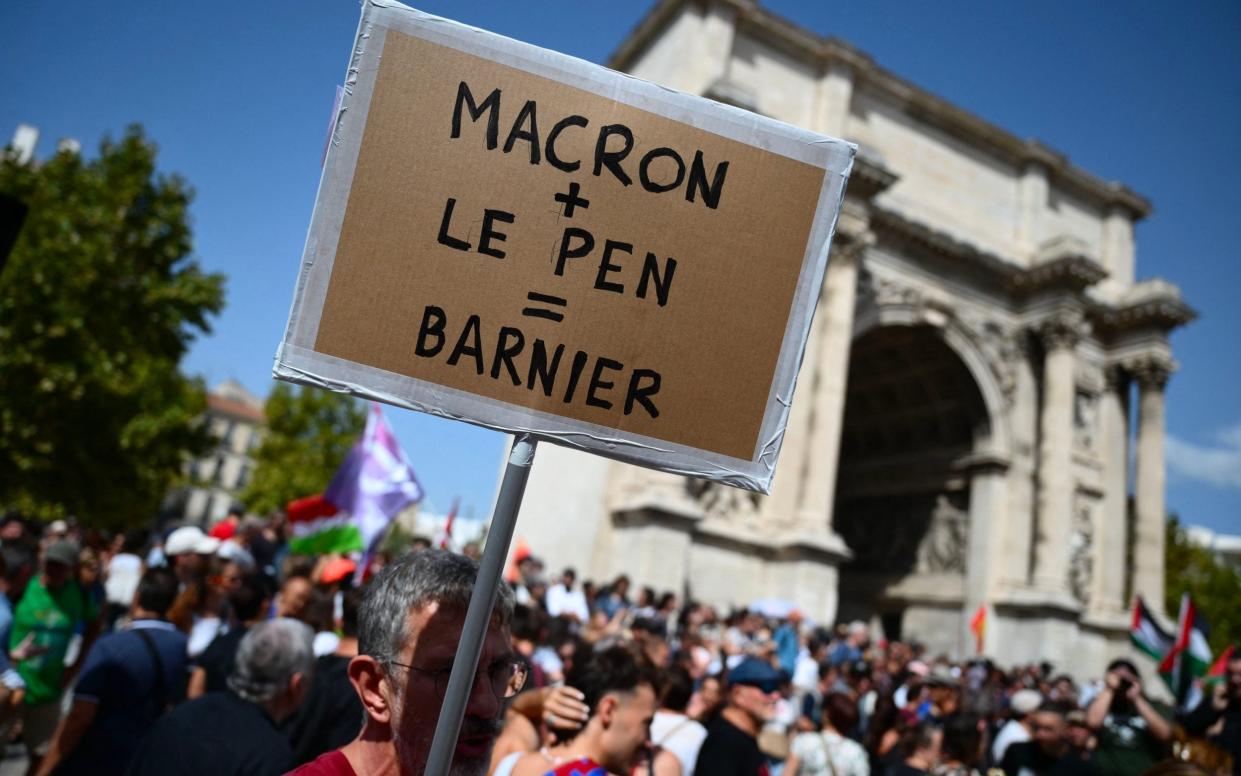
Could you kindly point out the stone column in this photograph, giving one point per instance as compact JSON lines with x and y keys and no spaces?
{"x":1055,"y":475}
{"x":1112,"y":528}
{"x":823,"y":448}
{"x":1152,"y":375}
{"x":718,"y":31}
{"x":1031,"y":204}
{"x":1117,"y":252}
{"x":1018,"y":529}
{"x":833,"y":95}
{"x":984,"y":562}
{"x":782,"y":507}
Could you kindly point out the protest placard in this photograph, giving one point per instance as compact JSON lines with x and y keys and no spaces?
{"x":525,"y":241}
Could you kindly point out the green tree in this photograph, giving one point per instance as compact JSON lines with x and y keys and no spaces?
{"x":98,"y":303}
{"x":1214,"y":586}
{"x":309,"y":432}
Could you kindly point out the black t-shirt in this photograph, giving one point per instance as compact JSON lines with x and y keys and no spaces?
{"x":216,"y":734}
{"x":729,"y":750}
{"x":1229,"y":737}
{"x":217,"y":659}
{"x":1028,"y":759}
{"x":331,"y":715}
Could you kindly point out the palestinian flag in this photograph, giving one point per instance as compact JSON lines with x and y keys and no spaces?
{"x":1220,"y":667}
{"x":374,"y":483}
{"x":1190,"y":657}
{"x":1146,"y":634}
{"x":318,"y":527}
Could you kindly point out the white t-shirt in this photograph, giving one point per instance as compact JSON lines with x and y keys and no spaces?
{"x":124,"y":571}
{"x":561,"y":601}
{"x":1013,"y":732}
{"x":680,"y":735}
{"x":805,"y":672}
{"x":325,"y":643}
{"x":848,"y":758}
{"x":202,"y":633}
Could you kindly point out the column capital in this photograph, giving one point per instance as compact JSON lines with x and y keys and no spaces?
{"x":1115,"y":377}
{"x":850,"y":247}
{"x":1063,"y":329}
{"x":1151,"y":370}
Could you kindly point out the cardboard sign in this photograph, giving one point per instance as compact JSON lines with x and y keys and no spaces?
{"x":518,"y":239}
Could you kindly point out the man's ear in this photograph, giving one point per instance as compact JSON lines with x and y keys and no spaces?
{"x":368,"y":679}
{"x":605,"y":710}
{"x":299,"y":685}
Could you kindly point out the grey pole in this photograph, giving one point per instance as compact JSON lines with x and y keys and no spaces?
{"x":482,"y":602}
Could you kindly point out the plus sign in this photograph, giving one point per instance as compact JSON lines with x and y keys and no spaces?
{"x":571,"y":200}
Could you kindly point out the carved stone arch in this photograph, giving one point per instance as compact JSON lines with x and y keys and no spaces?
{"x":962,"y":341}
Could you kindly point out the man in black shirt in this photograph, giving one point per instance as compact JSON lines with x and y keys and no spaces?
{"x":923,"y":748}
{"x":1223,"y":702}
{"x":235,"y":732}
{"x":331,"y":715}
{"x":731,"y":745}
{"x":249,"y":602}
{"x":1048,"y":753}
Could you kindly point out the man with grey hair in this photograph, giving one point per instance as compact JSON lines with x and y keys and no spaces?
{"x":235,"y":732}
{"x":409,"y":629}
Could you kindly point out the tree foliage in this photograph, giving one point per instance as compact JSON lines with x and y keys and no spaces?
{"x":99,"y":301}
{"x":1214,"y":586}
{"x":309,"y":432}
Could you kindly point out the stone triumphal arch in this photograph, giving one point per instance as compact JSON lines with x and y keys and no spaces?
{"x":981,"y":367}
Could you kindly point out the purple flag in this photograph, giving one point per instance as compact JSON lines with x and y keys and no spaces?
{"x":375,"y":482}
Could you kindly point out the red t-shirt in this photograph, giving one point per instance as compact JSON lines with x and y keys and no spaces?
{"x":331,"y":764}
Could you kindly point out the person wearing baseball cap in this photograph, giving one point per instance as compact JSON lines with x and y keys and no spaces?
{"x":1017,"y":729}
{"x":731,"y":745}
{"x":189,"y":549}
{"x":189,"y":553}
{"x":51,"y":611}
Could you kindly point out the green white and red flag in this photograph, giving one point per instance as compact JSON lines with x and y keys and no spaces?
{"x":372,"y":486}
{"x":1190,"y":657}
{"x":1219,"y":670}
{"x":1147,"y":634}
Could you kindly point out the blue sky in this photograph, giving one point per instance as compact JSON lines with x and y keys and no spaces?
{"x":238,"y":94}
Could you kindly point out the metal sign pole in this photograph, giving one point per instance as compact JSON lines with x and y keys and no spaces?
{"x":482,"y":602}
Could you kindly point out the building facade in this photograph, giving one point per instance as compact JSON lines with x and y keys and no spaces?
{"x":981,"y":367}
{"x":235,"y":420}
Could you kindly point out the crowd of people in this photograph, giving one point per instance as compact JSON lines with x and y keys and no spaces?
{"x":191,"y":652}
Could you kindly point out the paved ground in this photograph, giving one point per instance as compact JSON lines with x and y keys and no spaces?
{"x":14,"y":762}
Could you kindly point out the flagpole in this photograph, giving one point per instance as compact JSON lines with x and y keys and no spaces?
{"x":482,"y":602}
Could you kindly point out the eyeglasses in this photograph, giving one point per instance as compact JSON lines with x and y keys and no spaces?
{"x":507,"y":676}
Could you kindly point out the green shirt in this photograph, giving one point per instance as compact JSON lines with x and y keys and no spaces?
{"x":54,"y":616}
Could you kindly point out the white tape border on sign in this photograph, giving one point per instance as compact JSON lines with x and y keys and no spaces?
{"x":296,"y":360}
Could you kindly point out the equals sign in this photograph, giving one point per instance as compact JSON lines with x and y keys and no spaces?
{"x":536,"y":312}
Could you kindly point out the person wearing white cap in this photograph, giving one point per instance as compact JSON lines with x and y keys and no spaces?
{"x":1017,"y":729}
{"x":190,"y":548}
{"x":190,"y":552}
